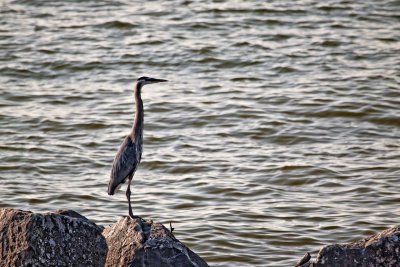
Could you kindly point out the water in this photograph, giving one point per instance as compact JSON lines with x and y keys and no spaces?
{"x":277,"y":133}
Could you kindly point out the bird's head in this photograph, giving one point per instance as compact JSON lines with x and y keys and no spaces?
{"x":147,"y":80}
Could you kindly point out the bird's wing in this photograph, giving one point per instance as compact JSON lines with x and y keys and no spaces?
{"x":125,"y":163}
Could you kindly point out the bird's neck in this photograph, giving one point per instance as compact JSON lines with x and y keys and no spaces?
{"x":137,"y":130}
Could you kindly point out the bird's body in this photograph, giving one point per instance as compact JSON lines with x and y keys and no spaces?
{"x":124,"y":165}
{"x":130,"y":152}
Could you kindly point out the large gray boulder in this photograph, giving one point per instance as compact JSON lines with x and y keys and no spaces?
{"x":381,"y":249}
{"x":54,"y":239}
{"x":135,"y":242}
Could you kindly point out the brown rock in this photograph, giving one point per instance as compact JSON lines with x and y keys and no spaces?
{"x":134,"y":242}
{"x":30,"y":239}
{"x":381,"y":249}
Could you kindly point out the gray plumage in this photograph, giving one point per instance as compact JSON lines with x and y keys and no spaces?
{"x":130,"y":152}
{"x":124,"y":165}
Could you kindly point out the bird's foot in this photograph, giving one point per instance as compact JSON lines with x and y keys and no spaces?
{"x":135,"y":217}
{"x":170,"y":227}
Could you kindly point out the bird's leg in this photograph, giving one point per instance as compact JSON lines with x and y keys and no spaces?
{"x":128,"y":196}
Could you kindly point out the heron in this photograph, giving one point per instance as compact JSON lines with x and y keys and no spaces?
{"x":129,"y":153}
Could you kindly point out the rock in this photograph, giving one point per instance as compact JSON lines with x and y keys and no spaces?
{"x":134,"y":242}
{"x":306,"y":258}
{"x":66,"y":238}
{"x":381,"y":249}
{"x":74,"y":214}
{"x":31,"y":239}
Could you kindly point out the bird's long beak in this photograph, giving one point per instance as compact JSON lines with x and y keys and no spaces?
{"x":154,"y":80}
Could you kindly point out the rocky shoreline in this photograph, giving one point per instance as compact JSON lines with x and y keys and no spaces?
{"x":66,"y":238}
{"x":381,"y":249}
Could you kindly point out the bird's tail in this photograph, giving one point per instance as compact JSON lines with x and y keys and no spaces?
{"x":111,"y":188}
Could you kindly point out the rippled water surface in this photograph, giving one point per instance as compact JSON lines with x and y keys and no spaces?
{"x":277,"y":133}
